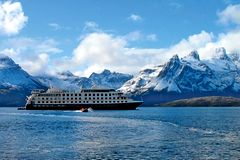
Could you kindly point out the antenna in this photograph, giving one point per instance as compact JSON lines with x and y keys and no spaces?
{"x":50,"y":85}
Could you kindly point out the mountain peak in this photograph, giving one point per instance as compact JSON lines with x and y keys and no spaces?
{"x":106,"y":72}
{"x":6,"y":61}
{"x":174,"y":58}
{"x":220,"y":50}
{"x":170,"y":66}
{"x":221,"y":53}
{"x":194,"y":54}
{"x":66,"y":73}
{"x":173,"y":61}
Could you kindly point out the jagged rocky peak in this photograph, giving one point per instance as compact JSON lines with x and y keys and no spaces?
{"x":221,"y":53}
{"x":170,"y":67}
{"x":174,"y":58}
{"x":106,"y":72}
{"x":235,"y":56}
{"x":6,"y":61}
{"x":220,"y":50}
{"x":194,"y":55}
{"x":173,"y":61}
{"x":66,"y":73}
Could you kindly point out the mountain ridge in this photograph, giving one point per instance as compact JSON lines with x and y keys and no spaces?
{"x":178,"y":78}
{"x":15,"y":83}
{"x":187,"y":77}
{"x":105,"y":79}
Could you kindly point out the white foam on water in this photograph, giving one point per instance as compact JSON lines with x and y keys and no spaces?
{"x":192,"y":129}
{"x":204,"y":131}
{"x":37,"y":115}
{"x":172,"y":124}
{"x":78,"y":117}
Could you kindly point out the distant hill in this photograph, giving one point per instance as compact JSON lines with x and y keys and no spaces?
{"x":215,"y":101}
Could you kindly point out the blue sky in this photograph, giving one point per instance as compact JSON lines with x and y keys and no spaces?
{"x":67,"y":34}
{"x":169,"y":20}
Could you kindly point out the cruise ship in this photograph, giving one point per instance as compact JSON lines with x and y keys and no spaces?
{"x":96,"y":99}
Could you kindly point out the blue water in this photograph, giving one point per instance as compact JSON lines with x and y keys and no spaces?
{"x":146,"y":133}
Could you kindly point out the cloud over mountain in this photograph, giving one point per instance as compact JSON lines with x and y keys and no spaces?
{"x":32,"y":54}
{"x":98,"y":49}
{"x":12,"y":18}
{"x":231,"y":14}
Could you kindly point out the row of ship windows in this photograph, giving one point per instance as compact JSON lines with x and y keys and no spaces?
{"x":86,"y":94}
{"x":81,"y":102}
{"x":49,"y":105}
{"x":76,"y":98}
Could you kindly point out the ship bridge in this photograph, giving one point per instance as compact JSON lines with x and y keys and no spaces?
{"x":54,"y":90}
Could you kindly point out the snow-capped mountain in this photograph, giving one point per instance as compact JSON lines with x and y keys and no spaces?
{"x":187,"y":77}
{"x":108,"y":79}
{"x":62,"y":80}
{"x":179,"y":78}
{"x":67,"y":80}
{"x":15,"y":83}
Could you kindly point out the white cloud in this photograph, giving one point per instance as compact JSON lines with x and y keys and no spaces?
{"x":91,"y":26}
{"x":185,"y":46}
{"x":88,"y":71}
{"x":101,"y":50}
{"x":30,"y":45}
{"x":98,"y":51}
{"x":55,"y":26}
{"x":32,"y":54}
{"x":47,"y":45}
{"x":98,"y":48}
{"x":230,"y":15}
{"x":134,"y":36}
{"x":9,"y":52}
{"x":36,"y":64}
{"x":152,"y":37}
{"x":230,"y":41}
{"x":135,"y":18}
{"x":12,"y":18}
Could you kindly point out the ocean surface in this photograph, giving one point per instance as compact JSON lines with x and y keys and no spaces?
{"x":146,"y":133}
